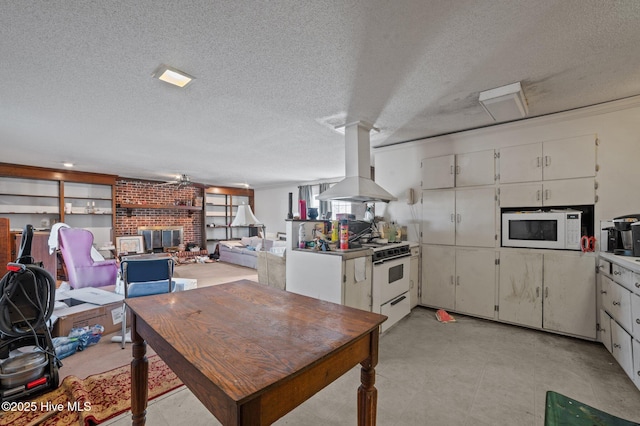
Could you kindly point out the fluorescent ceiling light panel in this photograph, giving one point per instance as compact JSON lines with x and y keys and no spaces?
{"x":172,"y":76}
{"x":505,"y":103}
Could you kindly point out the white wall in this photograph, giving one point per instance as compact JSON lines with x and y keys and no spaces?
{"x":272,"y":206}
{"x":617,"y":126}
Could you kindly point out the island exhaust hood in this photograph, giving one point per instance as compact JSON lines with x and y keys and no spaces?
{"x":357,"y":186}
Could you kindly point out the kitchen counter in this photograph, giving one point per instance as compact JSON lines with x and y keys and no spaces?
{"x":346,"y":254}
{"x":629,"y":262}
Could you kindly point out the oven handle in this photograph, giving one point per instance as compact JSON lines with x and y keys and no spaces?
{"x":388,"y":259}
{"x":398,"y":300}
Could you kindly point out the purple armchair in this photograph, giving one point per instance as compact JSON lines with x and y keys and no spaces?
{"x":82,"y":271}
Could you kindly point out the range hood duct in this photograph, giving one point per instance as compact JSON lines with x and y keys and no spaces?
{"x":357,"y":186}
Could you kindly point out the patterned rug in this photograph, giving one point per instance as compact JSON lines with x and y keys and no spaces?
{"x":92,"y":400}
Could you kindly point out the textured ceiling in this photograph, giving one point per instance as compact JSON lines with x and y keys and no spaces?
{"x":271,"y":75}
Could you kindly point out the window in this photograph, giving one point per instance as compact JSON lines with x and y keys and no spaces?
{"x":335,"y":206}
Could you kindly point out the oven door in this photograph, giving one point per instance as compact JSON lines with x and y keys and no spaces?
{"x":533,"y":230}
{"x":390,"y":279}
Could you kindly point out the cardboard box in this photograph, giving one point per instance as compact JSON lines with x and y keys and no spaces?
{"x":81,"y":314}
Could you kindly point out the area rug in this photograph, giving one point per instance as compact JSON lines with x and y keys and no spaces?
{"x":92,"y":400}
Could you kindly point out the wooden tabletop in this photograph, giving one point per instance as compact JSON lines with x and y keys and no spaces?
{"x":234,"y":342}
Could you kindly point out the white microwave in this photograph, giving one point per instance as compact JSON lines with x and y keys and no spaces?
{"x":555,"y":229}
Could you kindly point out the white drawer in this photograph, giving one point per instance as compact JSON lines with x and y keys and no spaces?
{"x":605,"y":329}
{"x":622,"y":349}
{"x":604,"y":267}
{"x":415,"y":251}
{"x":620,"y":308}
{"x":623,"y":276}
{"x":635,"y":317}
{"x":635,"y":285}
{"x":396,"y":309}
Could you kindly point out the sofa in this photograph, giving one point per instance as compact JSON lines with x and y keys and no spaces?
{"x":244,"y":252}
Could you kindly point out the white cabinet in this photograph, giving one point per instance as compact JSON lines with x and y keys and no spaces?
{"x":468,"y":169}
{"x":620,"y":299}
{"x":549,"y":193}
{"x":330,"y":277}
{"x":439,"y":172}
{"x":414,"y":276}
{"x":552,"y":291}
{"x":622,"y":348}
{"x":552,"y":160}
{"x":605,"y":329}
{"x":464,"y":217}
{"x":459,"y":279}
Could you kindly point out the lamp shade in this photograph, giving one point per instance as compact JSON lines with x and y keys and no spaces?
{"x":244,"y":217}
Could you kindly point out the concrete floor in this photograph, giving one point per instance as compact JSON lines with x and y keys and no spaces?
{"x":471,"y":372}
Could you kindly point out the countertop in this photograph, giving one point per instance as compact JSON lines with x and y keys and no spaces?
{"x":346,"y":254}
{"x":629,"y":262}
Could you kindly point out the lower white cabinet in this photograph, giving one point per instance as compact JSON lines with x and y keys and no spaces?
{"x":459,"y":279}
{"x":619,"y":298}
{"x":414,"y":276}
{"x":621,"y":348}
{"x":553,"y":291}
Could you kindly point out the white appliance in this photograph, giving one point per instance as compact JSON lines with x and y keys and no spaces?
{"x":554,"y":229}
{"x":391,"y":282}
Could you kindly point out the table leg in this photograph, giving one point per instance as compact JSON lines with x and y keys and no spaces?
{"x":139,"y":376}
{"x":367,"y":393}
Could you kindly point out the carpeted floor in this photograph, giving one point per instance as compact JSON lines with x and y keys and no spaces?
{"x":106,"y":355}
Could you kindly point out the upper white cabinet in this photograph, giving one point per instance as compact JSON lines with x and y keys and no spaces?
{"x":560,"y":159}
{"x":469,"y":169}
{"x":565,"y":192}
{"x":464,"y":217}
{"x":439,"y":172}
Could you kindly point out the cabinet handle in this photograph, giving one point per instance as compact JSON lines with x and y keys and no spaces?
{"x":603,"y":292}
{"x":546,"y":292}
{"x":451,"y":170}
{"x":458,"y":280}
{"x":537,"y":291}
{"x":547,"y":160}
{"x":538,"y":195}
{"x":637,"y":320}
{"x":458,"y":218}
{"x":546,"y":194}
{"x":451,"y":279}
{"x":539,"y":161}
{"x":453,"y":218}
{"x":615,"y":303}
{"x":617,"y":273}
{"x":637,"y":285}
{"x":615,"y":345}
{"x":457,"y":170}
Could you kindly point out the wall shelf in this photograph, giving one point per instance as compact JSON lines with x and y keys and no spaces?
{"x":131,"y":207}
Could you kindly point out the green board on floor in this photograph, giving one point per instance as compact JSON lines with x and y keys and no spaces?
{"x":563,"y":411}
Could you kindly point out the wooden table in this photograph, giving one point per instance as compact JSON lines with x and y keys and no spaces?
{"x":252,"y":353}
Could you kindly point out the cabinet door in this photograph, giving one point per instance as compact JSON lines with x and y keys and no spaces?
{"x":605,"y":329}
{"x":636,"y":362}
{"x":605,"y":292}
{"x":521,"y":195}
{"x":569,"y":304}
{"x":475,"y":217}
{"x":414,"y":275}
{"x":438,"y":270}
{"x":476,"y":282}
{"x":635,"y":316}
{"x":438,"y":172}
{"x":475,"y":168}
{"x":357,"y":283}
{"x":568,"y":192}
{"x":521,"y":163}
{"x":438,"y":217}
{"x":622,"y":348}
{"x":569,"y":158}
{"x":520,"y":288}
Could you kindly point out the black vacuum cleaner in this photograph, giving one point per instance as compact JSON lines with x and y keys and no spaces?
{"x":28,"y":362}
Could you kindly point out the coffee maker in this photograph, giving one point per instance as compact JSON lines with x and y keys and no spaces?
{"x":621,"y":237}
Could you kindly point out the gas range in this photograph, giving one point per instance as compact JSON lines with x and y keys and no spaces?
{"x":386,"y":251}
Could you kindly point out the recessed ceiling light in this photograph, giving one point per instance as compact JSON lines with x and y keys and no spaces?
{"x":67,"y":164}
{"x":172,"y":76}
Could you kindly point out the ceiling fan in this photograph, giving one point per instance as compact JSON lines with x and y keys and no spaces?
{"x":180,"y":181}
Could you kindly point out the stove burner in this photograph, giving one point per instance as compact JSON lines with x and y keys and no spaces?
{"x":389,"y":250}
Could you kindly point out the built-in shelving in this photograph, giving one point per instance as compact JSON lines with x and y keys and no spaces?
{"x":221,"y":206}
